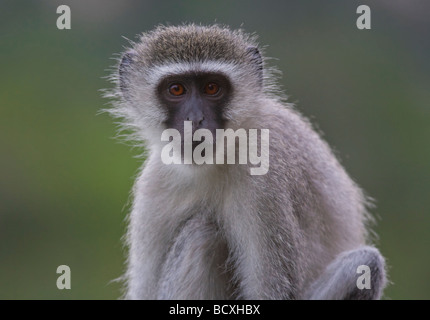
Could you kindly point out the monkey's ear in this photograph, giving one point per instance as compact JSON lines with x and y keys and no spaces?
{"x":127,"y":61}
{"x":257,"y":60}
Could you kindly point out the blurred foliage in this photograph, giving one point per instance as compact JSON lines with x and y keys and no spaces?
{"x":64,"y":180}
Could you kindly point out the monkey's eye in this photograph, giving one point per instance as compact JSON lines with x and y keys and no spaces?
{"x":176,"y":89}
{"x":211,"y":88}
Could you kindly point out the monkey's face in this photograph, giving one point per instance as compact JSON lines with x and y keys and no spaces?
{"x":210,"y":77}
{"x":197,"y":97}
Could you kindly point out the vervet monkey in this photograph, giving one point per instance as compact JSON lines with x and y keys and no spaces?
{"x":215,"y":231}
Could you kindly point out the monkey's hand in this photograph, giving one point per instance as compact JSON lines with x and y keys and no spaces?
{"x":195,"y":264}
{"x":354,"y":275}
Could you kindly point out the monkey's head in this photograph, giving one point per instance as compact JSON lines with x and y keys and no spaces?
{"x":211,"y":76}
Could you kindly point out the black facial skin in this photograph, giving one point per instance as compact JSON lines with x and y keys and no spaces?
{"x":203,"y":109}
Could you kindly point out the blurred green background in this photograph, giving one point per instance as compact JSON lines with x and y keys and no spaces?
{"x":65,"y":181}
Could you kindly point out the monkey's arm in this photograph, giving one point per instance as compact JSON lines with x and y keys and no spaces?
{"x":195,"y":264}
{"x":265,"y":252}
{"x":340,"y":280}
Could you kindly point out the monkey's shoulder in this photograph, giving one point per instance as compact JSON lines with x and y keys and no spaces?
{"x":292,"y":135}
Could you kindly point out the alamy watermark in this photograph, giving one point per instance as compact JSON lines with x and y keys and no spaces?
{"x":64,"y":281}
{"x":203,"y":153}
{"x":363,"y":281}
{"x":363,"y":21}
{"x":64,"y":20}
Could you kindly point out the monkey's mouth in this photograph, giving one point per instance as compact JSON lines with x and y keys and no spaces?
{"x":203,"y":144}
{"x":197,"y":147}
{"x":195,"y":144}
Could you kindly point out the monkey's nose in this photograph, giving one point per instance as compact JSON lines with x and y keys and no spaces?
{"x":197,"y":121}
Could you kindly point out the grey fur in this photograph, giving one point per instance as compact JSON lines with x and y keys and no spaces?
{"x":199,"y":243}
{"x":215,"y":231}
{"x":339,"y":280}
